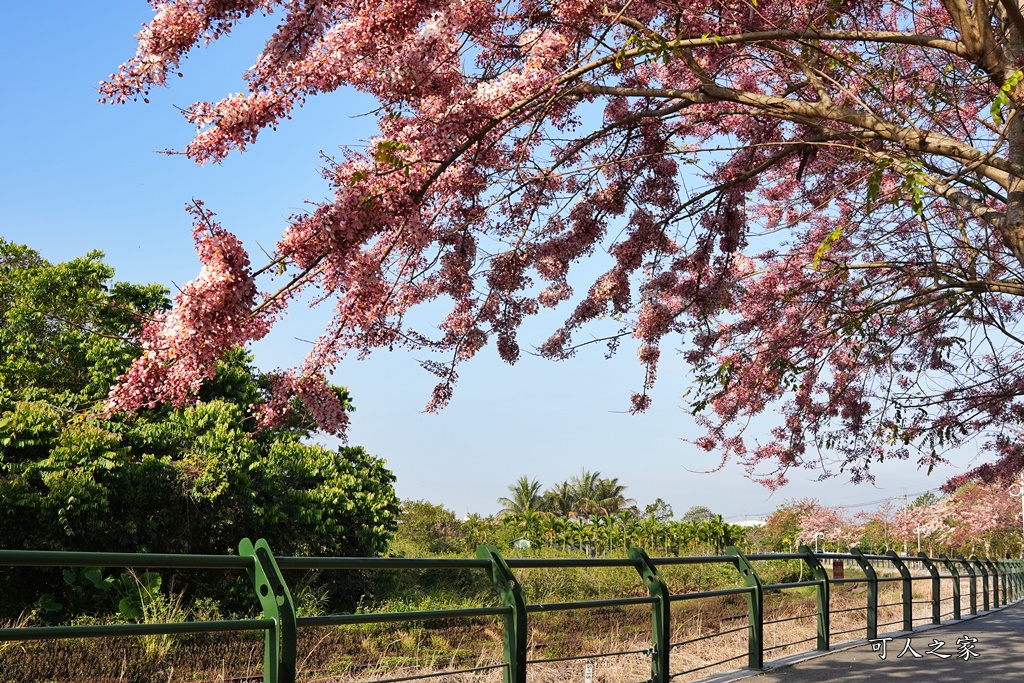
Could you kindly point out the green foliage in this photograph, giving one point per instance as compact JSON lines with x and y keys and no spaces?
{"x":698,"y":513}
{"x":659,"y":510}
{"x":1003,"y":96}
{"x":525,"y":495}
{"x":64,"y":331}
{"x":925,"y":499}
{"x":191,"y":480}
{"x":426,"y":529}
{"x":586,"y":495}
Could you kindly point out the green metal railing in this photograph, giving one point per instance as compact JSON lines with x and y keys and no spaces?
{"x":1001,"y":580}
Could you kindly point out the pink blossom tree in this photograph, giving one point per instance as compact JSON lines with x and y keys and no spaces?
{"x":822,"y":200}
{"x":878,"y":526}
{"x":926,"y":523}
{"x":830,"y":524}
{"x":979,"y":512}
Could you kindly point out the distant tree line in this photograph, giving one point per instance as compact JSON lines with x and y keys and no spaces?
{"x":587,"y":514}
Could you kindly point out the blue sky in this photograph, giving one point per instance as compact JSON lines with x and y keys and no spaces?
{"x":77,"y":176}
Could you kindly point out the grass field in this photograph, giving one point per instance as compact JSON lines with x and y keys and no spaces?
{"x":710,"y":629}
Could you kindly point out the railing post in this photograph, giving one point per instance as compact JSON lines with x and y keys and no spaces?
{"x":869,"y":572}
{"x":755,"y":609}
{"x":936,"y":587}
{"x":821,"y":576}
{"x":1010,"y":568}
{"x":995,"y":581}
{"x":661,"y":615}
{"x":1013,"y":570}
{"x":1004,"y":578}
{"x":908,"y":590}
{"x":951,"y":568}
{"x":984,"y":581}
{"x":511,"y":593}
{"x":974,"y":583}
{"x":1011,"y":579}
{"x":276,"y":602}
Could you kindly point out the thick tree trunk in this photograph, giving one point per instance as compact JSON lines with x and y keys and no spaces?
{"x":1013,"y":231}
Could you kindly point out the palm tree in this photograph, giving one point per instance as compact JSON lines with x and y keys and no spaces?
{"x":525,"y":496}
{"x":575,"y":533}
{"x":610,"y":494}
{"x":594,"y":495}
{"x":585,"y":493}
{"x":560,"y":499}
{"x":553,"y":529}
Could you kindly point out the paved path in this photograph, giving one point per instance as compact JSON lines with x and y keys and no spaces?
{"x":1000,"y":649}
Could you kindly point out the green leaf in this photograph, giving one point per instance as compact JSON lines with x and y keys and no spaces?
{"x":1003,"y":96}
{"x":150,"y":582}
{"x":826,"y":245}
{"x":127,"y":608}
{"x":94,"y":575}
{"x":48,"y":603}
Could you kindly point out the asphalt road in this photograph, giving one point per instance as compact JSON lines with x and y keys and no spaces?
{"x":999,"y":648}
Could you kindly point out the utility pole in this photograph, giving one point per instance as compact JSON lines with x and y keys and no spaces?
{"x":1019,"y":486}
{"x":906,"y":507}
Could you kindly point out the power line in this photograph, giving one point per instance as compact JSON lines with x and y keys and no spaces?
{"x":847,"y":505}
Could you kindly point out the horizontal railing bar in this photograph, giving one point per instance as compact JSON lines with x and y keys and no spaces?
{"x":696,"y":559}
{"x":380,"y":563}
{"x":100,"y":630}
{"x":587,"y":604}
{"x":573,"y":658}
{"x":774,"y":556}
{"x":795,"y":642}
{"x":706,"y":666}
{"x":59,"y":558}
{"x":835,"y":556}
{"x":387,"y":617}
{"x":850,"y":580}
{"x":848,"y":609}
{"x":850,"y":630}
{"x":532,"y":562}
{"x":436,"y":674}
{"x":710,"y":594}
{"x":710,"y":635}
{"x":779,"y":621}
{"x":794,"y":584}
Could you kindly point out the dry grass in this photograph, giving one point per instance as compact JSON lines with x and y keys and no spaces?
{"x":710,"y":630}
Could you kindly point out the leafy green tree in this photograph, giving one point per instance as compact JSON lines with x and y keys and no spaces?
{"x":525,"y":495}
{"x":698,"y":513}
{"x":427,"y":529}
{"x":925,"y":499}
{"x":193,"y":480}
{"x":659,"y":510}
{"x":559,"y":500}
{"x":593,"y":495}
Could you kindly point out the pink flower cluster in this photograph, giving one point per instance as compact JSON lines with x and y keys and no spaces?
{"x":211,"y":314}
{"x":812,"y":196}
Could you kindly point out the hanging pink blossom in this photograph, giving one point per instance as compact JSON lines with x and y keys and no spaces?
{"x":821,"y":202}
